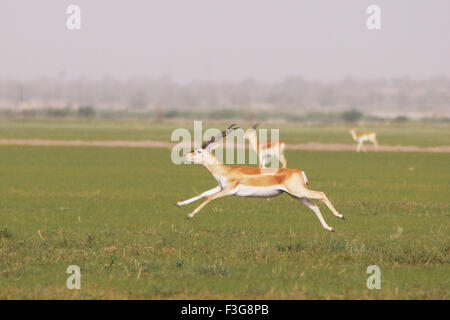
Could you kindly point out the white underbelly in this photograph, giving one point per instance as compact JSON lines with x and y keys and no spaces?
{"x":263,"y":192}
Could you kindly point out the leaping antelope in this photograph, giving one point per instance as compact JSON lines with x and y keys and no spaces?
{"x":253,"y":182}
{"x":265,"y":150}
{"x":362,"y":137}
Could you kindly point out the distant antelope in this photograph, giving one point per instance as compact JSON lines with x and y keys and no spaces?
{"x":264,"y":150}
{"x":364,"y":136}
{"x":252,"y":182}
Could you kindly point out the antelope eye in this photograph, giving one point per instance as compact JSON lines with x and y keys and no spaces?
{"x":198,"y":151}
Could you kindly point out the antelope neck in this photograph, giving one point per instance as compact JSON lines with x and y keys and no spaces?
{"x":215,"y":167}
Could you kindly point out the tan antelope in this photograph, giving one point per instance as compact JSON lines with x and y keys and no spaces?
{"x":362,"y":137}
{"x":267,"y":149}
{"x":253,"y":182}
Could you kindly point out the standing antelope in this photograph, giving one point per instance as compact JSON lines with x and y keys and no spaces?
{"x":364,"y":136}
{"x":265,"y":150}
{"x":253,"y":182}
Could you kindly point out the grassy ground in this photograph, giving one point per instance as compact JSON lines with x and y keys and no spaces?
{"x":111,"y":211}
{"x":69,"y":129}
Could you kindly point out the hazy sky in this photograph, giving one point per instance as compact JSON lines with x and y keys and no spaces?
{"x":225,"y":40}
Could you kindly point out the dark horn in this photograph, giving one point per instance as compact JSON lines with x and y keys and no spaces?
{"x":219,"y":136}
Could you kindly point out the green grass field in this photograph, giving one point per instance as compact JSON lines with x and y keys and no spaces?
{"x":111,"y":211}
{"x":421,"y":135}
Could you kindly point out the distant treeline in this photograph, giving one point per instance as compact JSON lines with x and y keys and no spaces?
{"x":347,"y":116}
{"x":400,"y":96}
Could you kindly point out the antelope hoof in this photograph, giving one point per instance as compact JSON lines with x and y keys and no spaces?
{"x":190,"y":216}
{"x":343,"y":218}
{"x":178,"y":204}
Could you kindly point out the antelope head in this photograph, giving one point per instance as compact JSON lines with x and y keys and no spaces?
{"x":204,"y":155}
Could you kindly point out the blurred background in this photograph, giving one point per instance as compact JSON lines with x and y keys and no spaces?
{"x":295,"y":61}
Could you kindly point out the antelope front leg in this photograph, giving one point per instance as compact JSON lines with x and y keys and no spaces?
{"x":283,"y":161}
{"x":262,"y":161}
{"x":359,"y":146}
{"x":204,"y":194}
{"x":224,"y":192}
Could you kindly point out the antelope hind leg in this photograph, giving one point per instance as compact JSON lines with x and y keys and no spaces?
{"x":316,"y":210}
{"x":322,"y":197}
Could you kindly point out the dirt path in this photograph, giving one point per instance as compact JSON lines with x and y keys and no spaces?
{"x":159,"y":144}
{"x":341,"y":147}
{"x":98,"y":143}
